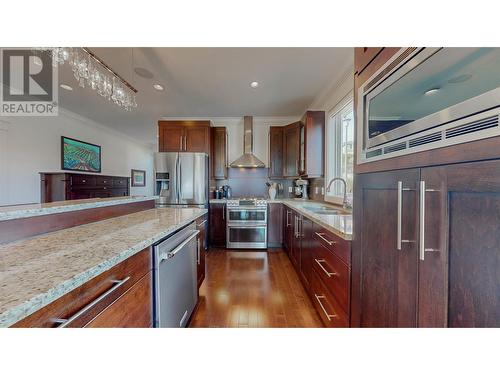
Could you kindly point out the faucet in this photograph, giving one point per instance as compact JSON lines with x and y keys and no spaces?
{"x":345,"y":203}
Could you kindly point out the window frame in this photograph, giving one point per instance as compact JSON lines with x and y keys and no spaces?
{"x":338,"y":108}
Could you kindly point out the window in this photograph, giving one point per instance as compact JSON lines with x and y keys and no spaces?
{"x":340,"y":150}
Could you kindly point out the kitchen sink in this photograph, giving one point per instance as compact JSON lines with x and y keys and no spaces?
{"x":324,"y":210}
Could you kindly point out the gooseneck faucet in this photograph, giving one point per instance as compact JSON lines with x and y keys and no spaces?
{"x":345,"y":203}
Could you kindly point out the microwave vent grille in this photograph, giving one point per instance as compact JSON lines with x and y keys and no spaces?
{"x":472,"y":127}
{"x":373,"y":153}
{"x":429,"y":138}
{"x":394,"y":148}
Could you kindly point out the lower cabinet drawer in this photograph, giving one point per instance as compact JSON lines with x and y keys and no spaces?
{"x":334,"y":274}
{"x":328,"y":308}
{"x":81,"y":305}
{"x":133,"y":309}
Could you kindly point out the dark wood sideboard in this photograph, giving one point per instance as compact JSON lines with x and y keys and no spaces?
{"x":69,"y":186}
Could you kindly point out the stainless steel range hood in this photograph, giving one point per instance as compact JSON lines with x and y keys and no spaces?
{"x":248,"y":159}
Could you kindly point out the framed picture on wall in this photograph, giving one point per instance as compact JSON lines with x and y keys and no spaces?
{"x":138,"y":177}
{"x":80,"y":156}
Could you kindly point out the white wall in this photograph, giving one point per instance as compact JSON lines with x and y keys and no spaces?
{"x":329,"y":98}
{"x":29,"y":145}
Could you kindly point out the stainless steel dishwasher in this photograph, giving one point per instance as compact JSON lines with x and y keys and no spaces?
{"x":175,"y":286}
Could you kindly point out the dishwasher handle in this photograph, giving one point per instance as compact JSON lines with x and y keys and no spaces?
{"x":172,"y":253}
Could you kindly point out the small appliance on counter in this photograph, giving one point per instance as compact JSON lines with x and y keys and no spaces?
{"x":227,"y":193}
{"x":300,"y":190}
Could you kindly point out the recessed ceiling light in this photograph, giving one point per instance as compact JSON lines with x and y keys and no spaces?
{"x":66,"y":87}
{"x":254,"y":84}
{"x":158,"y":87}
{"x":432,"y":91}
{"x":143,"y":72}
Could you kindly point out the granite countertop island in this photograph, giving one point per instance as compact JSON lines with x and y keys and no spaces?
{"x":340,"y":224}
{"x":38,"y":209}
{"x":38,"y":270}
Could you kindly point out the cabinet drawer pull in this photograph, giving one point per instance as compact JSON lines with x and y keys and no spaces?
{"x":320,"y":235}
{"x":320,"y":261}
{"x":202,"y":223}
{"x":328,"y":316}
{"x":66,"y":322}
{"x":84,"y":180}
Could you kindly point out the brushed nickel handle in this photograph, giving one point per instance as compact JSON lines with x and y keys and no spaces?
{"x":422,"y":249}
{"x":329,"y":274}
{"x":287,"y":221}
{"x":84,"y":180}
{"x":180,"y":145}
{"x":185,"y":142}
{"x":66,"y":322}
{"x":172,"y":253}
{"x":198,"y":251}
{"x":328,"y":316}
{"x":202,"y":223}
{"x":399,"y":229}
{"x":320,"y":235}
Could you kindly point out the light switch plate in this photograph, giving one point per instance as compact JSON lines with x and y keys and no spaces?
{"x":322,"y":191}
{"x":290,"y":189}
{"x":316,"y":190}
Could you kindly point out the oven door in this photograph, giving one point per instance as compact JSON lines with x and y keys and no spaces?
{"x":246,"y":236}
{"x":250,"y":216}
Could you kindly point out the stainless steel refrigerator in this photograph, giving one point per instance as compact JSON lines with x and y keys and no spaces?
{"x":181,"y":178}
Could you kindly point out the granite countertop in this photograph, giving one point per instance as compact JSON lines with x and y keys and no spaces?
{"x":38,"y":270}
{"x":340,"y":224}
{"x":38,"y":209}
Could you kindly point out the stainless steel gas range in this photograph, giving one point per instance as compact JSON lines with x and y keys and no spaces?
{"x":246,"y":223}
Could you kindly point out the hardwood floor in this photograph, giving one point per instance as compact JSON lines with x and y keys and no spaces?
{"x":252,"y":289}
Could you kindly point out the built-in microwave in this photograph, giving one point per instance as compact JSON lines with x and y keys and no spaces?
{"x":426,"y":98}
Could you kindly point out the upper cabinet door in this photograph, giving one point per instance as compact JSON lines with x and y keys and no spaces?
{"x":218,"y":154}
{"x":291,"y":145}
{"x":459,"y":277}
{"x":363,"y":56}
{"x":197,"y":139}
{"x":385,"y":256}
{"x":276,"y":152}
{"x":171,"y":138}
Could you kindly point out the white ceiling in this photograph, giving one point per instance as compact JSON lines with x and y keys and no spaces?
{"x":208,"y":82}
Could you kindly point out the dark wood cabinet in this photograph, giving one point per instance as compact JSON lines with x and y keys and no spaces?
{"x":184,"y":136}
{"x":276,"y":152}
{"x":303,"y":146}
{"x":459,"y":270}
{"x":119,"y":297}
{"x":217,"y":214}
{"x":386,"y":276}
{"x":218,"y":153}
{"x":202,"y":246}
{"x":296,"y":240}
{"x":446,"y":273}
{"x":311,"y":144}
{"x":291,"y":150}
{"x":274,"y":225}
{"x":71,"y":186}
{"x":287,"y":229}
{"x":306,"y":249}
{"x":363,"y":56}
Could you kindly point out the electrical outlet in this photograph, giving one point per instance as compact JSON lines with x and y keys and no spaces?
{"x":316,"y":190}
{"x":322,"y":191}
{"x":290,"y":189}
